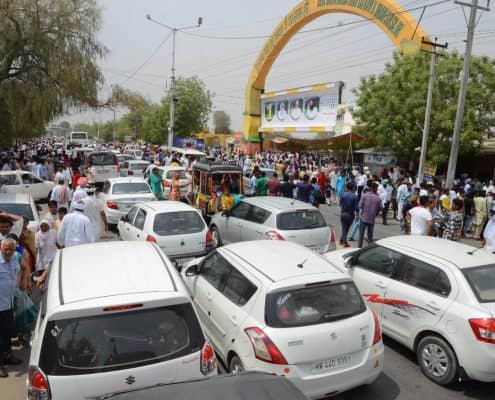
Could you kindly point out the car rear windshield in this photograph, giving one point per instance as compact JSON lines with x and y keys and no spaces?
{"x":121,"y":340}
{"x":170,"y":174}
{"x":130,"y":188}
{"x":313,"y":304}
{"x":138,"y":167}
{"x":103,"y":159}
{"x":178,"y":223}
{"x":482,"y":281}
{"x":23,"y":210}
{"x":305,"y":219}
{"x":79,"y":135}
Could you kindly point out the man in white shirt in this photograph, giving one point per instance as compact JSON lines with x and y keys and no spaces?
{"x":61,"y":194}
{"x":489,"y":233}
{"x":80,"y":192}
{"x":76,"y":228}
{"x":421,"y":218}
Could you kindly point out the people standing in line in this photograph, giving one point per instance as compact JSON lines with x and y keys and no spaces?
{"x":453,"y":225}
{"x":76,"y":228}
{"x":421,"y":218}
{"x":348,"y":211}
{"x":274,"y":185}
{"x":370,"y":206}
{"x":480,"y":214}
{"x":262,"y":184}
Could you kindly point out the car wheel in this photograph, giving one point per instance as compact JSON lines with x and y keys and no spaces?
{"x":215,"y":235}
{"x":235,"y":365}
{"x":437,"y":360}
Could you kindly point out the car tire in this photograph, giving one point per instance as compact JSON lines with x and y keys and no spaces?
{"x":437,"y":360}
{"x":235,"y":365}
{"x":215,"y":234}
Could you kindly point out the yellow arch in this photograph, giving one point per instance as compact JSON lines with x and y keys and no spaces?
{"x":400,"y":26}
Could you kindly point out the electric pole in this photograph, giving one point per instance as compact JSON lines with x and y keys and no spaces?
{"x":173,"y":94}
{"x":429,"y":101}
{"x":456,"y":137}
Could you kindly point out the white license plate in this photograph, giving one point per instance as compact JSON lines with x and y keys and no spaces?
{"x":316,"y":249}
{"x":327,"y":365}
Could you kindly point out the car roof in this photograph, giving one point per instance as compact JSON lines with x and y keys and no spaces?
{"x":279,"y":203}
{"x":217,"y":168}
{"x":277,"y":260}
{"x":167,"y":206}
{"x":15,"y":172}
{"x":137,"y":162}
{"x":126,"y":179}
{"x":15,"y":198}
{"x":453,"y":252}
{"x":88,"y":272}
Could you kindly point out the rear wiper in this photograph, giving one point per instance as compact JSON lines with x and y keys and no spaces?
{"x":333,"y":317}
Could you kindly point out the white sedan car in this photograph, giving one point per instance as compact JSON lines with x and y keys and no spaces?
{"x":280,"y":308}
{"x":177,"y":228}
{"x":120,"y":194}
{"x":434,"y":296}
{"x":21,"y":204}
{"x":26,"y":182}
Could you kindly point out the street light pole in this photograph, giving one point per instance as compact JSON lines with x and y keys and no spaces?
{"x":173,"y":93}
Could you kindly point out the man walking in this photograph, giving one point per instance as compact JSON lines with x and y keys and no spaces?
{"x":421,"y":218}
{"x":76,"y":228}
{"x":349,"y":207}
{"x":370,"y":206}
{"x":9,"y":268}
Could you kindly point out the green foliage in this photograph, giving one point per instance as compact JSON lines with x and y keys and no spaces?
{"x":48,"y":53}
{"x":392,"y":105}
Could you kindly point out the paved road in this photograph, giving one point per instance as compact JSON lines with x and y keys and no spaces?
{"x":401,"y":379}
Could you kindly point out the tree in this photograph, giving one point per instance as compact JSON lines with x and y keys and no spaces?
{"x":391,"y":107}
{"x":221,"y":121}
{"x":48,"y":55}
{"x":191,"y":114}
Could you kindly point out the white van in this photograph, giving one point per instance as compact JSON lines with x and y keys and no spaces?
{"x":115,"y":317}
{"x":78,"y":139}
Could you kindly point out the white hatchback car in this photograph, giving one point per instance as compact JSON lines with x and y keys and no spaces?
{"x":120,"y":194}
{"x":115,"y":317}
{"x":177,"y":228}
{"x":281,"y":308}
{"x":26,"y":182}
{"x":434,"y":296}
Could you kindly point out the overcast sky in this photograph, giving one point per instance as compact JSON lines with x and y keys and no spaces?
{"x":338,"y":53}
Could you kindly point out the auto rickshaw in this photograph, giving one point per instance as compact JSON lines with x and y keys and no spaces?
{"x":210,"y":182}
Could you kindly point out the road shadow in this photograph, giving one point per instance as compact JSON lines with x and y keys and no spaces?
{"x":384,"y":388}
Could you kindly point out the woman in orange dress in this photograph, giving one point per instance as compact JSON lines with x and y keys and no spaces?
{"x":175,"y":186}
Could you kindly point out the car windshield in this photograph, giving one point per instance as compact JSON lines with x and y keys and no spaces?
{"x":314,"y":304}
{"x":23,"y":210}
{"x":130,"y":188}
{"x":178,"y":223}
{"x":304,"y":219}
{"x":171,"y":173}
{"x":103,"y":159}
{"x":138,"y":167}
{"x":79,"y":135}
{"x":120,"y":340}
{"x":482,"y":281}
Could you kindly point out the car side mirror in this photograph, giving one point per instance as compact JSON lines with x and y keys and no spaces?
{"x":349,"y":262}
{"x":193,"y":270}
{"x":124,"y":218}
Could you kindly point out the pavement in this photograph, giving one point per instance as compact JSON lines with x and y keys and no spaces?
{"x":401,"y":378}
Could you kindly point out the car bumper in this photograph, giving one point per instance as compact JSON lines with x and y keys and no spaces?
{"x":330,"y":383}
{"x":482,"y":366}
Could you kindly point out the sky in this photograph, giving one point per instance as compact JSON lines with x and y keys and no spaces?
{"x":140,"y":51}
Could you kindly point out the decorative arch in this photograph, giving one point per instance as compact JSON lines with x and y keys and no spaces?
{"x":398,"y":24}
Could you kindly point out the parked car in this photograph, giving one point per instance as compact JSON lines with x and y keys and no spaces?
{"x":184,"y":180}
{"x":177,"y":228}
{"x":26,"y":182}
{"x":124,"y":157}
{"x":273,"y":218}
{"x":103,"y":165}
{"x":110,"y":322}
{"x":280,"y":308}
{"x":133,"y":168}
{"x":136,"y":154}
{"x":434,"y":296}
{"x":242,"y":386}
{"x":119,"y":195}
{"x":23,"y":205}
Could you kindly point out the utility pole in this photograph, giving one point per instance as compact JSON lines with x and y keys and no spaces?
{"x":456,"y":137}
{"x":173,"y":94}
{"x":113,"y":128}
{"x":429,"y":100}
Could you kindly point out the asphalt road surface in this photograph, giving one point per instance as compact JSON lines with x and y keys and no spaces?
{"x":401,"y":378}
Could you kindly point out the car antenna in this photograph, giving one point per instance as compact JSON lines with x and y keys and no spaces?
{"x":474,"y":251}
{"x":301,"y":265}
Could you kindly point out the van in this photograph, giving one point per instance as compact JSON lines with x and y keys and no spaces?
{"x":78,"y":139}
{"x":114,"y":317}
{"x":103,"y":166}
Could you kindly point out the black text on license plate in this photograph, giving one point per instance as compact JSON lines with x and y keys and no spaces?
{"x":330,"y":364}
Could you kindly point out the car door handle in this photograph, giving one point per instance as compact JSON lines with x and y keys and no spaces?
{"x":433,"y":305}
{"x":26,"y":186}
{"x":210,"y":296}
{"x":259,"y":232}
{"x":233,"y":318}
{"x":380,"y":284}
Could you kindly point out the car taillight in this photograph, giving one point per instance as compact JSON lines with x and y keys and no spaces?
{"x":332,"y":236}
{"x":130,"y":172}
{"x":484,"y":329}
{"x":112,"y":205}
{"x":264,"y":348}
{"x":209,"y":238}
{"x":151,"y":239}
{"x":38,"y":388}
{"x":377,"y":336}
{"x":274,"y":235}
{"x":208,"y":359}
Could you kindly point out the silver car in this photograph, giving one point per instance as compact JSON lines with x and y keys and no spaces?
{"x":273,"y":218}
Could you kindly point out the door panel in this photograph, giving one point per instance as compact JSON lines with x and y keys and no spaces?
{"x":233,"y":224}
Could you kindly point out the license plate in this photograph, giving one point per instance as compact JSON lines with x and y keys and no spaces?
{"x":327,"y":365}
{"x":316,"y":249}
